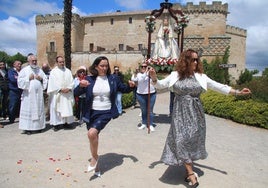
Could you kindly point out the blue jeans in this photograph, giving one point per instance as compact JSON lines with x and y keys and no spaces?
{"x":143,"y":101}
{"x":118,"y":102}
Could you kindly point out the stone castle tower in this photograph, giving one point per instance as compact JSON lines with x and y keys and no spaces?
{"x":121,"y":35}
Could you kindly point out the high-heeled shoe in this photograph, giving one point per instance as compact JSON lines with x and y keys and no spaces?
{"x":91,"y":168}
{"x":188,"y":180}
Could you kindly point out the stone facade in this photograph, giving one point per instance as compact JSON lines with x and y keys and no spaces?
{"x":121,"y":35}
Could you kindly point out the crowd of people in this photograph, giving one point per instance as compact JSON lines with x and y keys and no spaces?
{"x":46,"y":94}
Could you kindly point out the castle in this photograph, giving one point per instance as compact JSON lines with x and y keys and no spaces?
{"x":121,"y":35}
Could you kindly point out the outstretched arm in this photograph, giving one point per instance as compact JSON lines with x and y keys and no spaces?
{"x":236,"y":92}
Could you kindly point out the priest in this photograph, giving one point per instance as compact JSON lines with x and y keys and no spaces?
{"x":60,"y":91}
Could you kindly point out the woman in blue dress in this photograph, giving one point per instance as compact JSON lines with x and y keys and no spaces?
{"x":100,"y":89}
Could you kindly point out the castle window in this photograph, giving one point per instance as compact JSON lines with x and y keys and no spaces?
{"x":92,"y":22}
{"x":121,"y":47}
{"x":52,"y":46}
{"x":112,"y":21}
{"x":91,"y":47}
{"x":139,"y":47}
{"x":130,"y":20}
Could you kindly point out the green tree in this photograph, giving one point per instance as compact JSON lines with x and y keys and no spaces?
{"x":225,"y":60}
{"x":3,"y":56}
{"x":67,"y":32}
{"x":246,"y":76}
{"x":19,"y":57}
{"x":214,"y":71}
{"x":265,"y":73}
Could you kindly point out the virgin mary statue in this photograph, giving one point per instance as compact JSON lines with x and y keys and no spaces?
{"x":166,"y":47}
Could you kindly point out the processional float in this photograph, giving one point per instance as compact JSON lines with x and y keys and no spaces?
{"x":181,"y":21}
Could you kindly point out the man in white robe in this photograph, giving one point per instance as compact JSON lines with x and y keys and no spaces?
{"x":32,"y":80}
{"x":60,"y":91}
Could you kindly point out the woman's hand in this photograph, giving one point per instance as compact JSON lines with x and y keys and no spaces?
{"x":245,"y":91}
{"x":152,"y":74}
{"x":84,"y":83}
{"x":131,"y":83}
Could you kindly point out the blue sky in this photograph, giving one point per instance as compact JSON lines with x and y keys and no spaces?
{"x":18,"y":32}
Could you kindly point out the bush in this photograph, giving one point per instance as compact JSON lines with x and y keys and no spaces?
{"x":259,"y":88}
{"x":247,"y":112}
{"x":127,"y":100}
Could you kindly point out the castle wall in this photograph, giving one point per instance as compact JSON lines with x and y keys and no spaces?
{"x":101,"y":34}
{"x":237,"y":50}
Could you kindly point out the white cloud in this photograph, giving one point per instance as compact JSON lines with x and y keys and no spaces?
{"x":78,"y":11}
{"x":18,"y":36}
{"x":131,"y":4}
{"x":25,"y":8}
{"x":257,"y":38}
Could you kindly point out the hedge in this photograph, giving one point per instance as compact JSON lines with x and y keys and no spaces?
{"x":241,"y":110}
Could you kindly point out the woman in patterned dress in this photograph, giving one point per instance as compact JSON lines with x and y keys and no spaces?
{"x":185,"y":142}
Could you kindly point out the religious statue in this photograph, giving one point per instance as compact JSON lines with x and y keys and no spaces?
{"x":166,"y":49}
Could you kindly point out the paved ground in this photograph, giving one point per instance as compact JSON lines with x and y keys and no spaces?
{"x":130,"y":157}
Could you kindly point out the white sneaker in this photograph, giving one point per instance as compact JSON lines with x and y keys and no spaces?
{"x":152,"y":128}
{"x":142,"y":127}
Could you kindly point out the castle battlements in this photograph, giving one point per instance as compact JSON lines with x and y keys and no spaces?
{"x":54,"y":18}
{"x":236,"y":31}
{"x":202,"y":7}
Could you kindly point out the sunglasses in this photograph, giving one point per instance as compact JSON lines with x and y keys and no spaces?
{"x":195,"y":59}
{"x":143,"y":66}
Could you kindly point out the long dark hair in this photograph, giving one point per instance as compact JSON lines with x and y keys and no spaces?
{"x":92,"y":69}
{"x":184,"y":64}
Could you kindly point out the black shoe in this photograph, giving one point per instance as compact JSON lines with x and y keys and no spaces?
{"x":68,"y":126}
{"x":27,"y":132}
{"x":39,"y":131}
{"x":187,"y":179}
{"x":56,"y":128}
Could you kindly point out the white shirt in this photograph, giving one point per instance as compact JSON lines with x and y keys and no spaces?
{"x":101,"y":94}
{"x":143,"y":79}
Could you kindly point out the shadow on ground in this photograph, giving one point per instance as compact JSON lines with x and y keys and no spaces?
{"x":111,"y":160}
{"x":162,"y":118}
